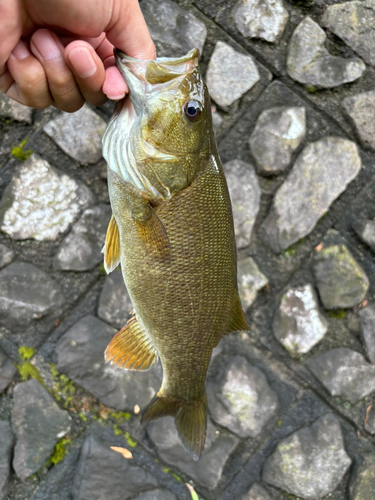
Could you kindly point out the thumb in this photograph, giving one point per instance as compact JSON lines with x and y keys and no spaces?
{"x":128,"y":30}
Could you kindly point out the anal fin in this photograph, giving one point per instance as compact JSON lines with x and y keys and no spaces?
{"x":237,"y":320}
{"x":111,"y":248}
{"x":130,"y":348}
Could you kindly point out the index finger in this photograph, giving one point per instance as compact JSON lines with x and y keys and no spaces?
{"x":128,"y":31}
{"x":10,"y":31}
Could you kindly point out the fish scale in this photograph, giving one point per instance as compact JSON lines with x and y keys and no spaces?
{"x":177,"y":249}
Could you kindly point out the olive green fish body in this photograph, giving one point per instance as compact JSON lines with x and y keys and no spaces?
{"x":172,"y":230}
{"x":184,"y":304}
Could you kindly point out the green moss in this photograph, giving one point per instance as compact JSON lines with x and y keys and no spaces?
{"x":54,"y":370}
{"x":279,"y":422}
{"x":82,"y":417}
{"x":129,"y":440}
{"x":28,"y":371}
{"x":311,"y":89}
{"x":60,"y":451}
{"x":19,"y":153}
{"x":117,"y":431}
{"x":289,"y":252}
{"x":26,"y":352}
{"x":121,"y":415}
{"x":177,"y":477}
{"x":166,"y":470}
{"x":64,"y":388}
{"x":102,"y":269}
{"x":339,"y":314}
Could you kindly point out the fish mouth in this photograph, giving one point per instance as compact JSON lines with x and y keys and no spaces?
{"x":140,"y":74}
{"x":123,"y":143}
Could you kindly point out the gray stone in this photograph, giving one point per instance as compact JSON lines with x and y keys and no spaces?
{"x":6,"y":255}
{"x":310,"y":63}
{"x":6,"y":446}
{"x":354,"y":22}
{"x":367,"y":317}
{"x":160,"y":494}
{"x":362,"y":485}
{"x":81,"y":248}
{"x":311,"y":462}
{"x":340,"y":279}
{"x":361,"y":109}
{"x":277,"y":134}
{"x":298,"y":324}
{"x":207,"y":471}
{"x":256,"y":492}
{"x":229,"y":81}
{"x":78,"y":134}
{"x":250,"y":280}
{"x":80,"y":355}
{"x":245,"y":195}
{"x":264,"y":19}
{"x":40,"y":202}
{"x":39,"y":424}
{"x":369,"y":423}
{"x":26,"y":293}
{"x":242,"y":401}
{"x":7,"y":371}
{"x":344,"y":373}
{"x":320,"y":174}
{"x":114,"y":302}
{"x":15,"y":110}
{"x":365,"y":228}
{"x":217,"y":120}
{"x":103,"y":473}
{"x":179,"y":32}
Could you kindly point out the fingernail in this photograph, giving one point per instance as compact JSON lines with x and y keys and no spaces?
{"x":115,"y":97}
{"x":21,"y":51}
{"x":82,"y":62}
{"x":47,"y":48}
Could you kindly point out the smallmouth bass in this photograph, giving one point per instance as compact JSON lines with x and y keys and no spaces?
{"x":172,"y":231}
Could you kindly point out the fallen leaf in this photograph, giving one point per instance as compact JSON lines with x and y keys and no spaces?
{"x":136,"y":409}
{"x":319,"y":247}
{"x":193,"y":493}
{"x":367,"y":414}
{"x":123,"y":451}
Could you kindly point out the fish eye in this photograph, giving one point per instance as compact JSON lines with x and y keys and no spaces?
{"x":192,"y":110}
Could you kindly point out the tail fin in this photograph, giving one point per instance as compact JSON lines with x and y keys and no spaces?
{"x":190,"y":417}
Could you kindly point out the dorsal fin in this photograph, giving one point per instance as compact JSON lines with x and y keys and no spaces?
{"x":111,"y":248}
{"x":130,"y":348}
{"x":237,"y":320}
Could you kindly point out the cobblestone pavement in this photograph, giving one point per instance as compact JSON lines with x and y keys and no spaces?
{"x":292,"y":403}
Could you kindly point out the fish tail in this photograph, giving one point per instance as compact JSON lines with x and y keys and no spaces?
{"x":190,"y":417}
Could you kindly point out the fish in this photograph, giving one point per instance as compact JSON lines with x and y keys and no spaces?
{"x":172,"y":231}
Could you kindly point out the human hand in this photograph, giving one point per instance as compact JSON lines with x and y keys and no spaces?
{"x":60,"y":52}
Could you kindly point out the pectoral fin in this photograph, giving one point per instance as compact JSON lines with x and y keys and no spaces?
{"x":130,"y":348}
{"x":237,"y":320}
{"x":111,"y":248}
{"x":154,"y":237}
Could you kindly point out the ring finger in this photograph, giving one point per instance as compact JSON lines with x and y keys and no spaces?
{"x":48,"y":49}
